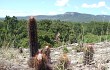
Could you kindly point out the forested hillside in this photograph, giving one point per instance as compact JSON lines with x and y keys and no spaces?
{"x":14,"y":32}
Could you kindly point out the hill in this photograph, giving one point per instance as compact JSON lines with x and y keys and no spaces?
{"x":72,"y":17}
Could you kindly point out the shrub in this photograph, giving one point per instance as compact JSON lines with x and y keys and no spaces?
{"x":65,"y":50}
{"x":90,"y":38}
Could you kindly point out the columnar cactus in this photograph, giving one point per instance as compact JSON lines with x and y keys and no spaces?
{"x":33,"y":42}
{"x":38,"y":59}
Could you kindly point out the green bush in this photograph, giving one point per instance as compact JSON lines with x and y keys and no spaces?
{"x":90,"y":38}
{"x":65,"y":50}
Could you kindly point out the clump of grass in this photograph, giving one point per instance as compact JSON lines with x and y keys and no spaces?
{"x":8,"y":53}
{"x":65,"y":50}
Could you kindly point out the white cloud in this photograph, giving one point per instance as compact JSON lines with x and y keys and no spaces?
{"x":61,"y":2}
{"x":100,"y":4}
{"x":5,"y":12}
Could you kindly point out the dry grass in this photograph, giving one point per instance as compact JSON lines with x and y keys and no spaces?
{"x":11,"y":58}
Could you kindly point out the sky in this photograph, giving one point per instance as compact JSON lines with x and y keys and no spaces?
{"x":53,"y":7}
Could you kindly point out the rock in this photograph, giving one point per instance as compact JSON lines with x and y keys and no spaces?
{"x":69,"y":48}
{"x":20,"y":50}
{"x":73,"y":62}
{"x":57,"y":53}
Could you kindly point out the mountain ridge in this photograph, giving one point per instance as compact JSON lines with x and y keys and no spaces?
{"x":72,"y":17}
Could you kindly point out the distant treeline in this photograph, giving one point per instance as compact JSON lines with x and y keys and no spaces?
{"x":13,"y":32}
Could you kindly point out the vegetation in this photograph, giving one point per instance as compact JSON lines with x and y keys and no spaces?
{"x":13,"y":32}
{"x":33,"y":40}
{"x":88,"y":54}
{"x":63,"y":62}
{"x":65,"y":50}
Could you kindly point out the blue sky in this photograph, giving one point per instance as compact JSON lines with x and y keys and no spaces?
{"x":53,"y":7}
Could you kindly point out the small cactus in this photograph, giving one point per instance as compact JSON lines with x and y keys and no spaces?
{"x":88,"y":54}
{"x":41,"y":61}
{"x":63,"y":62}
{"x":47,"y":52}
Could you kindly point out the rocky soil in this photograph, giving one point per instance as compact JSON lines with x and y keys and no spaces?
{"x":11,"y":59}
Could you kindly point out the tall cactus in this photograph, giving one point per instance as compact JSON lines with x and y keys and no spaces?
{"x":33,"y":41}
